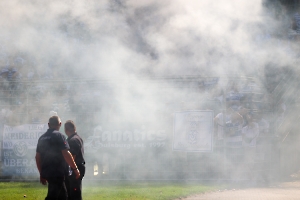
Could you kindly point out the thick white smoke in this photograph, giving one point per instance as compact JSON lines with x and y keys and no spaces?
{"x":123,"y":38}
{"x":129,"y":41}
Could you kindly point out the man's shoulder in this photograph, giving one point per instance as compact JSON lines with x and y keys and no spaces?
{"x":56,"y":135}
{"x":46,"y":134}
{"x":219,"y":115}
{"x":43,"y":134}
{"x":55,"y":132}
{"x":78,"y":137}
{"x":75,"y":137}
{"x":49,"y":135}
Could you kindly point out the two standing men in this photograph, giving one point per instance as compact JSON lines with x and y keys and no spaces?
{"x":54,"y":157}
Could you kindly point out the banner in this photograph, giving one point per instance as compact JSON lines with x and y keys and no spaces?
{"x":137,"y":139}
{"x":193,"y":131}
{"x":19,"y":147}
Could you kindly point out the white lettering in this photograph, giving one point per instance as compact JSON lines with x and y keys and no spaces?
{"x":12,"y":162}
{"x":26,"y":171}
{"x":151,"y":135}
{"x":106,"y":136}
{"x":7,"y":144}
{"x":127,"y":136}
{"x":115,"y":145}
{"x":8,"y":129}
{"x":136,"y":135}
{"x":25,"y":162}
{"x":19,"y":162}
{"x":116,"y":135}
{"x":161,"y":135}
{"x":6,"y":162}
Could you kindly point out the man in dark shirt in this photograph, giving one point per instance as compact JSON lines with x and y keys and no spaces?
{"x":52,"y":158}
{"x":74,"y":186}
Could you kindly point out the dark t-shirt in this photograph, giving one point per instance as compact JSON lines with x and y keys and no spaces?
{"x":76,"y":148}
{"x":50,"y":145}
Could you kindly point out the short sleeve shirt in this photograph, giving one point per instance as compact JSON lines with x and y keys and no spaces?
{"x":221,"y":120}
{"x":76,"y":148}
{"x":50,"y":145}
{"x":250,"y":134}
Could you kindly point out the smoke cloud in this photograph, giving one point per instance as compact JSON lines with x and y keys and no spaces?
{"x":124,"y":38}
{"x":119,"y":59}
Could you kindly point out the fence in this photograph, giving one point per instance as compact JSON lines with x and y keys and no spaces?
{"x":153,"y":159}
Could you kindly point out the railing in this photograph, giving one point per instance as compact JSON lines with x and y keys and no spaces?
{"x":167,"y":165}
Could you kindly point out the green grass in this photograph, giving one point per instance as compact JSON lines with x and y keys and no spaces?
{"x":95,"y":191}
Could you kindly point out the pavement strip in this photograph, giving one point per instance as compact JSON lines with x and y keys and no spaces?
{"x":286,"y":191}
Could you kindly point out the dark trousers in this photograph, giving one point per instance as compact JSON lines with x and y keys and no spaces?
{"x":56,"y":189}
{"x":74,"y":186}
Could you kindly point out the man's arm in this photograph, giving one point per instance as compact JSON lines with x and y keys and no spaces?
{"x":216,"y":118}
{"x":69,"y":159}
{"x":38,"y":164}
{"x":73,"y":148}
{"x":38,"y":161}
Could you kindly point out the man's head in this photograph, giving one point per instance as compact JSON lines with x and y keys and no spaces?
{"x":243,"y":111}
{"x":54,"y":122}
{"x":70,"y":127}
{"x":228,"y":108}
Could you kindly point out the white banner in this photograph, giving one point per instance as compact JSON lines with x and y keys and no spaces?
{"x":18,"y":146}
{"x":135,"y":139}
{"x":193,"y":131}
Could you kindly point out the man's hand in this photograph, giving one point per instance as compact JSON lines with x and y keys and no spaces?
{"x":69,"y":159}
{"x":77,"y":173}
{"x":43,"y":181}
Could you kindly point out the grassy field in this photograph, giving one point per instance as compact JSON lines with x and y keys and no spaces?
{"x":136,"y":191}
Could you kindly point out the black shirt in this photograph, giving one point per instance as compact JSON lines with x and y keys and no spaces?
{"x":50,"y":145}
{"x":76,"y":148}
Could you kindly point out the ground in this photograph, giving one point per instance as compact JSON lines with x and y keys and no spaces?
{"x":286,"y":191}
{"x":165,"y":191}
{"x":107,"y":191}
